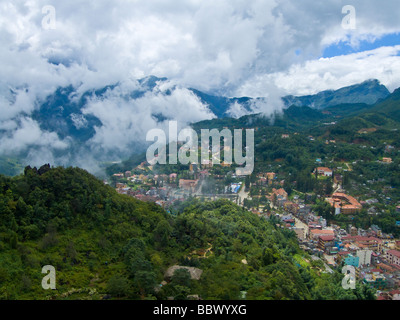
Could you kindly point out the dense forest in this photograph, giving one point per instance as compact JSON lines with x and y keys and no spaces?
{"x":104,"y":245}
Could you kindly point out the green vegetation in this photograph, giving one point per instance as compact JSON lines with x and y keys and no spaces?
{"x":10,"y":167}
{"x":107,"y":245}
{"x":351,"y":139}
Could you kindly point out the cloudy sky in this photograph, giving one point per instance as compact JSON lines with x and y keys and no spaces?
{"x":257,"y":48}
{"x":229,"y":46}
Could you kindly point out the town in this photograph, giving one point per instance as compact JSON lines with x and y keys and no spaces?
{"x":374,"y":254}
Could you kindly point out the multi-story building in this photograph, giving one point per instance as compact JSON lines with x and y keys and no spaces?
{"x":364,"y":257}
{"x":351,"y":260}
{"x":326,"y":243}
{"x":344,"y":203}
{"x":393,"y":257}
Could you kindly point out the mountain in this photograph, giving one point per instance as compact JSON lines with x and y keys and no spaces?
{"x":221,"y":106}
{"x":389,"y":107}
{"x":62,"y":114}
{"x":344,"y":109}
{"x":384,"y":114}
{"x":105,"y":124}
{"x":368,"y":92}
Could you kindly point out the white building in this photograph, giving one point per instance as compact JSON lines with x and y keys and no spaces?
{"x":364,"y":257}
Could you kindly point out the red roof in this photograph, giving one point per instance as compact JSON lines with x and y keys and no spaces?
{"x":361,"y":238}
{"x":327,"y":238}
{"x":394,"y":253}
{"x":323,"y":232}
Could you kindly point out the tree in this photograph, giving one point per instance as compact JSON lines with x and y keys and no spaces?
{"x":162,"y":233}
{"x":329,"y":188}
{"x":118,"y":286}
{"x":145,"y":281}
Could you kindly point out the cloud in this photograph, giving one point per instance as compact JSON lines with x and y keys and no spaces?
{"x":27,"y":133}
{"x":236,"y":48}
{"x":126,"y":120}
{"x":213,"y":46}
{"x":333,"y":73}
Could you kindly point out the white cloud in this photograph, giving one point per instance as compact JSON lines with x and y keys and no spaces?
{"x":29,"y":134}
{"x":126,"y":121}
{"x":333,"y":73}
{"x":265,"y":48}
{"x":214,"y":46}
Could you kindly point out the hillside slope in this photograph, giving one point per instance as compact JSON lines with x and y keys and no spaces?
{"x":106,"y":245}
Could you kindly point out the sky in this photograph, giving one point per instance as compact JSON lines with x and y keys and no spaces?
{"x":255,"y":48}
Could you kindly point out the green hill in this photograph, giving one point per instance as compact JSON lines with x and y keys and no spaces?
{"x":106,"y":245}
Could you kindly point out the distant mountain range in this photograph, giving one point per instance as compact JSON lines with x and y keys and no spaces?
{"x":66,"y":112}
{"x":63,"y":115}
{"x":368,"y":92}
{"x":346,"y":118}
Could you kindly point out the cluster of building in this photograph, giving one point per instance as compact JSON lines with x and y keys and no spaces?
{"x":374,"y":255}
{"x":264,"y":179}
{"x":166,"y":189}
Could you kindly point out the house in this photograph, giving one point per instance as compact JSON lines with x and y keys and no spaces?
{"x":280,"y":196}
{"x":288,"y":220}
{"x":341,"y":256}
{"x":291,"y":207}
{"x":387,"y":160}
{"x":314,"y":225}
{"x":262,"y":181}
{"x":128,"y":174}
{"x":323,"y":171}
{"x":393,"y":257}
{"x":304,"y":209}
{"x":188,"y":185}
{"x":118,"y":175}
{"x":271,"y":177}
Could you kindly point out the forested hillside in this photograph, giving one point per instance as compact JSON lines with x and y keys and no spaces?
{"x":106,"y":245}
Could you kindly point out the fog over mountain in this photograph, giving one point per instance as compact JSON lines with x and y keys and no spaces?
{"x":75,"y":78}
{"x":85,"y":128}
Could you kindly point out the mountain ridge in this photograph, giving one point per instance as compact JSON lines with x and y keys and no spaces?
{"x":66,"y":112}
